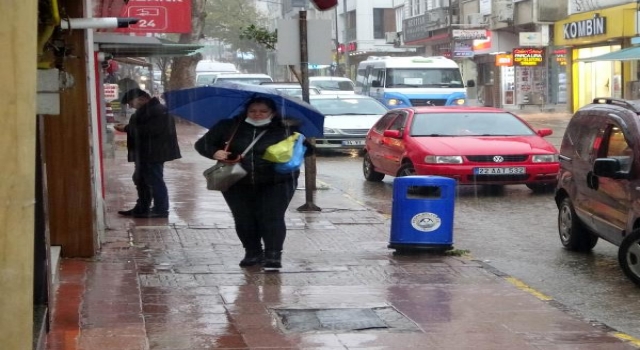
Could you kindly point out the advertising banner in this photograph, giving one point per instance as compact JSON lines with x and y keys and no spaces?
{"x":158,"y":16}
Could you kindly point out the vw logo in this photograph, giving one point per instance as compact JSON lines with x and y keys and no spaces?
{"x":498,"y":159}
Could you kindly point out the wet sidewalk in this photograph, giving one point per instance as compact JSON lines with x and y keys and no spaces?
{"x":175,"y":284}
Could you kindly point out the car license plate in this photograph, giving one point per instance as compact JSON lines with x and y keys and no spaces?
{"x":499,"y":171}
{"x":353,"y":143}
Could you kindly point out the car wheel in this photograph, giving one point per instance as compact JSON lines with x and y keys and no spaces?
{"x":406,"y":170}
{"x":367,"y":169}
{"x":541,"y":188}
{"x":629,"y":256}
{"x":573,"y":235}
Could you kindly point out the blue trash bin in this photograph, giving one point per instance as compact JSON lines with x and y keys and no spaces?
{"x":422,"y":213}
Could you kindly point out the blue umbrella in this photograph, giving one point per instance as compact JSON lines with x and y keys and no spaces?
{"x":206,"y":105}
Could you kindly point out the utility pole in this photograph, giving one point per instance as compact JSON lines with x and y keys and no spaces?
{"x":310,"y":170}
{"x":338,"y":43}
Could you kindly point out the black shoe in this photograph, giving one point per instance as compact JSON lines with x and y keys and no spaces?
{"x":132,"y":212}
{"x":252,"y":258}
{"x":272,"y":259}
{"x":151,"y":215}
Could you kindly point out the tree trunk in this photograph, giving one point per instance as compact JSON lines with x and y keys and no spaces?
{"x":183,"y":68}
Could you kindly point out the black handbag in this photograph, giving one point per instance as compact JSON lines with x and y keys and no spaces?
{"x":224,"y":174}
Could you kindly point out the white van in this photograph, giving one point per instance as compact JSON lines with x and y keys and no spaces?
{"x":246,"y":78}
{"x":412,"y":81}
{"x":207,"y":70}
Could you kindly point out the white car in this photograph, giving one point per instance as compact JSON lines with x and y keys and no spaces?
{"x":333,"y":85}
{"x":347,"y":120}
{"x":291,"y":89}
{"x":246,"y":78}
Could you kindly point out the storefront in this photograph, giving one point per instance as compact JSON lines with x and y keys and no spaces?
{"x":495,"y":76}
{"x":589,"y":35}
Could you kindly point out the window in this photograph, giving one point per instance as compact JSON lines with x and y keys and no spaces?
{"x":618,"y":148}
{"x":378,"y":23}
{"x":415,"y":7}
{"x":381,"y":124}
{"x":398,"y":123}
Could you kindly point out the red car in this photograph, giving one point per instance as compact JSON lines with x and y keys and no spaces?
{"x":474,"y":145}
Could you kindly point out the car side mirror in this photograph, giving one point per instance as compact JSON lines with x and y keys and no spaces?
{"x":544,"y":132}
{"x":395,"y":134}
{"x":471,"y":83}
{"x":608,"y":167}
{"x":376,"y":83}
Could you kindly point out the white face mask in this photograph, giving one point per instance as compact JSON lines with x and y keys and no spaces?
{"x":260,"y":122}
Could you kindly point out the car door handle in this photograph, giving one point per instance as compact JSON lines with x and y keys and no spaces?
{"x":592,"y":181}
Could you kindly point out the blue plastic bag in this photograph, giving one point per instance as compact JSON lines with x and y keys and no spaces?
{"x":296,"y":160}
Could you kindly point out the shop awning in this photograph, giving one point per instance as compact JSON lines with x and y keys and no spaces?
{"x":141,"y":46}
{"x":628,"y":54}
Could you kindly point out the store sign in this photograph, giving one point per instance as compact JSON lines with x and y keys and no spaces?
{"x":468,"y":34}
{"x":531,"y":39}
{"x":561,"y":56}
{"x":110,"y":91}
{"x":415,"y":28}
{"x":528,"y":57}
{"x":158,"y":16}
{"x":504,"y":60}
{"x":585,"y":28}
{"x":462,"y":49}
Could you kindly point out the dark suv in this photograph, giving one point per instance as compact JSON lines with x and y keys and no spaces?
{"x":598,"y":191}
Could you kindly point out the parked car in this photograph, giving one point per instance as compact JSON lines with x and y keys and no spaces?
{"x":245,"y":78}
{"x":333,"y":85}
{"x":474,"y":145}
{"x":348,"y":118}
{"x":291,"y":89}
{"x":599,"y":181}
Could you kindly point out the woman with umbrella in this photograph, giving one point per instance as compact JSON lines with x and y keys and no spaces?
{"x":258,"y":201}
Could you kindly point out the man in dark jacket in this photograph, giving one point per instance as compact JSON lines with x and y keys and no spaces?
{"x":151,"y":141}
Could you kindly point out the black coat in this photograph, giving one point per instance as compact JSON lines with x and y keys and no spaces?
{"x":151,"y":134}
{"x":260,"y":171}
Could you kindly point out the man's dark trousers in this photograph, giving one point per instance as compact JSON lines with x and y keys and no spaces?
{"x":149,"y":181}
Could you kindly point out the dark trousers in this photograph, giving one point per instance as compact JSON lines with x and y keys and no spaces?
{"x":258,"y":212}
{"x":149,"y":181}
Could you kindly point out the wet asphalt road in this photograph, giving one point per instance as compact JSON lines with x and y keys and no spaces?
{"x":515,"y":231}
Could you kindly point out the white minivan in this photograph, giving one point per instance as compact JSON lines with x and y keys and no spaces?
{"x":207,"y":70}
{"x":412,"y":81}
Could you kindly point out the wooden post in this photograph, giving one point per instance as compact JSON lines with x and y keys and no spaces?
{"x":18,"y":63}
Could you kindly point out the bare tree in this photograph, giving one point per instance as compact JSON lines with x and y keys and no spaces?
{"x":183,"y":68}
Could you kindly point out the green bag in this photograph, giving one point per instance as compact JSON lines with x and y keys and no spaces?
{"x":282,"y":151}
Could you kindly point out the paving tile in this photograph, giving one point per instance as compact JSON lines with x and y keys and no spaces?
{"x":175,"y":283}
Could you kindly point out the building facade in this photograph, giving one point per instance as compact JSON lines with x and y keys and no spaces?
{"x":504,"y":46}
{"x":590,"y":34}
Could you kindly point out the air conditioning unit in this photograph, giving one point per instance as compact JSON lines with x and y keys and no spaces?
{"x":475,"y":19}
{"x":434,"y":19}
{"x":505,"y":15}
{"x":390,"y":37}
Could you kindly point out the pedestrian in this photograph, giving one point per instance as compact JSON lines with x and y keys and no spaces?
{"x":258,"y":201}
{"x":151,"y":141}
